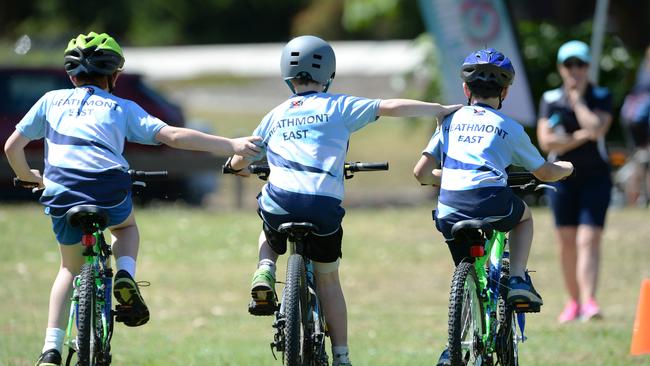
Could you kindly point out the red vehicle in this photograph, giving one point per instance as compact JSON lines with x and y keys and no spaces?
{"x":20,"y":88}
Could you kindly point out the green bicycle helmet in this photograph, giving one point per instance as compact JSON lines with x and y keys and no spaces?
{"x":93,"y":53}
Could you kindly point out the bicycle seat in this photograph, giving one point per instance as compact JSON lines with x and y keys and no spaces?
{"x":87,"y":215}
{"x":473,"y":231}
{"x":297,"y":229}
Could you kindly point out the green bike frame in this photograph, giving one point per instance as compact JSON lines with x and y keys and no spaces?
{"x":488,"y":271}
{"x":98,"y":256}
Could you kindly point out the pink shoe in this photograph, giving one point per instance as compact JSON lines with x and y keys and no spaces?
{"x":591,"y":310}
{"x":571,"y":312}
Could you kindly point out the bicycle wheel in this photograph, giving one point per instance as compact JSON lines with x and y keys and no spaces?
{"x":465,"y":317}
{"x":86,"y":318}
{"x":294,"y":307}
{"x":507,"y":343}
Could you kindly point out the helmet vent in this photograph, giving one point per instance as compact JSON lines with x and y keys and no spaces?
{"x":293,"y":63}
{"x":318,"y":57}
{"x":315,"y":66}
{"x":295,"y":54}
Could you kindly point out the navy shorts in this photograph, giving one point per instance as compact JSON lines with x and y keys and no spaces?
{"x":581,"y":202}
{"x":68,"y":235}
{"x":502,"y":209}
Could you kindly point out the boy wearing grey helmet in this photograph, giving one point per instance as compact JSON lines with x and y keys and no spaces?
{"x":305,"y":140}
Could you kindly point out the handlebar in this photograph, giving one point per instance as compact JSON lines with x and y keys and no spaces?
{"x":134,"y":174}
{"x":263,"y":170}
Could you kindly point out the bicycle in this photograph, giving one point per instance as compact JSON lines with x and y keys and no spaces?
{"x":299,"y":323}
{"x":481,"y":323}
{"x":91,"y":309}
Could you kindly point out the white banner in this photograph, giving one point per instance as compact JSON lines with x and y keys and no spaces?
{"x":462,"y":26}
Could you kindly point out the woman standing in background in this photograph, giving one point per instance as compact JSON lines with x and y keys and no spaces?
{"x":572,"y":125}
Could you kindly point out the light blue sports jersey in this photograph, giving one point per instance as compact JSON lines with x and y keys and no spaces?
{"x":84,"y":130}
{"x":475,"y":145}
{"x":305,"y":140}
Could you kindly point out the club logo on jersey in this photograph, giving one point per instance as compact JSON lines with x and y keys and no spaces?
{"x":479,"y":112}
{"x":296,"y":103}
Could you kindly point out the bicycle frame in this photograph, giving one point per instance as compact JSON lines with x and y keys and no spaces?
{"x":488,"y":270}
{"x":98,"y":255}
{"x":312,"y":317}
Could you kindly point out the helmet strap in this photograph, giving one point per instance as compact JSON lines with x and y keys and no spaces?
{"x":327,"y":85}
{"x":500,"y":102}
{"x":293,"y":89}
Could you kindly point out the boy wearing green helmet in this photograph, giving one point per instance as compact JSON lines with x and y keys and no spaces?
{"x":85,"y":129}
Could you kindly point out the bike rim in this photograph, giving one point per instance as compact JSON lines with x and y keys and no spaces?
{"x":471,"y":321}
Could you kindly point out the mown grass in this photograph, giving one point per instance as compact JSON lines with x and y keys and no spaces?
{"x":395,"y":274}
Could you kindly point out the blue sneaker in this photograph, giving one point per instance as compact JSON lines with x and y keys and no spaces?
{"x":522,"y":295}
{"x":444,"y":359}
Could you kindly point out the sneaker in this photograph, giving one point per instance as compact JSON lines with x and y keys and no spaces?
{"x":444,"y":359}
{"x":522,"y":295}
{"x":591,"y":310}
{"x":51,"y":357}
{"x":132,"y":310}
{"x":570,"y":313}
{"x":263,"y":293}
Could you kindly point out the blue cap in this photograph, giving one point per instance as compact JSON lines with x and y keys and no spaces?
{"x":575,"y":49}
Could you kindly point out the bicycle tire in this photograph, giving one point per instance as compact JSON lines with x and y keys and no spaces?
{"x":294,"y":305}
{"x":85,"y":316}
{"x":507,"y":345}
{"x":466,"y":317}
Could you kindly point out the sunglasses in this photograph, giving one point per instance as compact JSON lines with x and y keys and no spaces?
{"x":574,"y":62}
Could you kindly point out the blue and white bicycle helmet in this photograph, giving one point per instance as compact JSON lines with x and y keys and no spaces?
{"x":488,"y":65}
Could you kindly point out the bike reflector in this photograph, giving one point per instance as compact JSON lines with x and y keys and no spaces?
{"x":88,"y":240}
{"x":476,"y":251}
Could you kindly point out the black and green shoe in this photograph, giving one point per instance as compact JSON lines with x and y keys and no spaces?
{"x":132,"y":311}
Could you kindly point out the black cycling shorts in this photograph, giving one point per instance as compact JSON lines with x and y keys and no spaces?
{"x":325,"y":249}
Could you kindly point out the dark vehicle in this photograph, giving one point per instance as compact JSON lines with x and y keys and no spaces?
{"x":20,"y":88}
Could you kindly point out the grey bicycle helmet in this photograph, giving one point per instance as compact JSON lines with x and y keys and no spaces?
{"x":308,"y":57}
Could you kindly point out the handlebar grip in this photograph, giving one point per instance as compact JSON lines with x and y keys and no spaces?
{"x":259,"y":169}
{"x":145,"y":174}
{"x":25,"y":184}
{"x":361,"y":167}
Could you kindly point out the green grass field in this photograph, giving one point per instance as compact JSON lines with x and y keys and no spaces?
{"x":395,"y":273}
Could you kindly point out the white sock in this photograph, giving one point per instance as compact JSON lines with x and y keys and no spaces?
{"x":267,"y":264}
{"x":126,"y":263}
{"x":340,"y":354}
{"x":54,"y":339}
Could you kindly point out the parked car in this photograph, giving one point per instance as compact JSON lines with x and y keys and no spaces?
{"x":20,"y":88}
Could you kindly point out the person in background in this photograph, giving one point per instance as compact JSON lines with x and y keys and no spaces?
{"x":572,"y":125}
{"x":635,"y":118}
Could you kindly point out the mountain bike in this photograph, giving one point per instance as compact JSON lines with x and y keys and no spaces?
{"x":91,"y":311}
{"x":300,"y":326}
{"x":481,"y":322}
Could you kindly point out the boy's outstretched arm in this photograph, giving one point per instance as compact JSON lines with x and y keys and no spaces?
{"x":188,"y":139}
{"x":551,"y":172}
{"x":425,"y":172}
{"x":14,"y":149}
{"x":414,"y":108}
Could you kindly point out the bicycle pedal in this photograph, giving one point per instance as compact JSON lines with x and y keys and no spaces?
{"x":526,"y":307}
{"x":262,"y":308}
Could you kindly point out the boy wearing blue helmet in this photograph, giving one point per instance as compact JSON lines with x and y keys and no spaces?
{"x":474,"y":146}
{"x":305,"y":140}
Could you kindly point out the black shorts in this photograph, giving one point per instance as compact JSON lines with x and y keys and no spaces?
{"x":581,"y":202}
{"x":325,"y":249}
